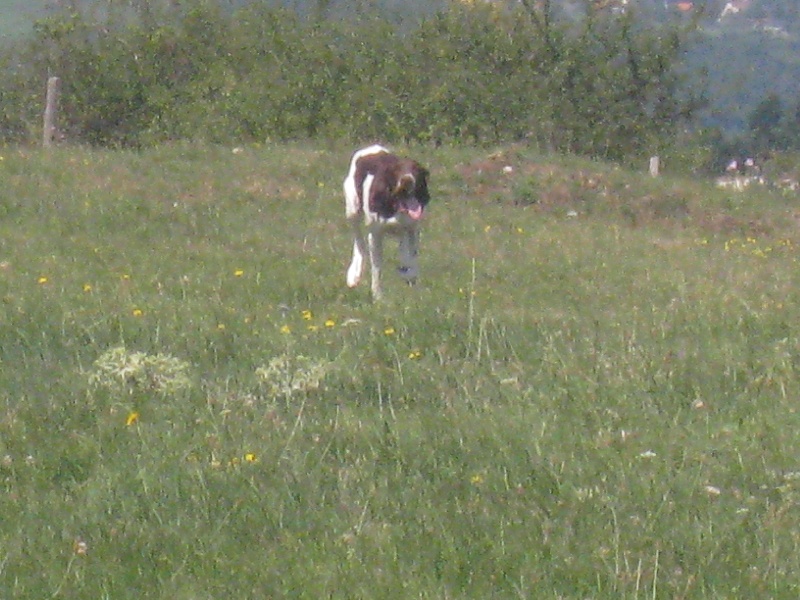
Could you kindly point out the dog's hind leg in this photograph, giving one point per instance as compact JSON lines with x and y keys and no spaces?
{"x":375,"y":241}
{"x":356,"y":267}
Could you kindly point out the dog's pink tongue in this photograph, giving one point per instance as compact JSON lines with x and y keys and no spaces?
{"x":415,"y":213}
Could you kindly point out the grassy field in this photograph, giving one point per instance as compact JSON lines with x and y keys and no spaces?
{"x":592,"y":393}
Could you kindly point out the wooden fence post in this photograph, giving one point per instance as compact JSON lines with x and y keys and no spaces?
{"x":51,"y":111}
{"x":655,"y":164}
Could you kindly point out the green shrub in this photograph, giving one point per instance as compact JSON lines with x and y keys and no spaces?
{"x":469,"y":73}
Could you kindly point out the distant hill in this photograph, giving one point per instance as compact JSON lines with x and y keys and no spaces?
{"x":744,"y":67}
{"x":750,"y":49}
{"x":18,"y":16}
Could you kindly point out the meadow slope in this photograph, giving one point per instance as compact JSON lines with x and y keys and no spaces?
{"x":592,"y":393}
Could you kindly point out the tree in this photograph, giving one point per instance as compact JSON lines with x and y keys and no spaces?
{"x":765,"y":125}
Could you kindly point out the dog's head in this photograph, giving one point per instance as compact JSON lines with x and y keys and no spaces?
{"x":410,"y":188}
{"x":397,"y":185}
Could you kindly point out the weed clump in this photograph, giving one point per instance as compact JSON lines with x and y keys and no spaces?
{"x":286,"y":374}
{"x":119,"y":369}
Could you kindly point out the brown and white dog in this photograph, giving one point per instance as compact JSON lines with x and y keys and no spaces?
{"x":390,"y":194}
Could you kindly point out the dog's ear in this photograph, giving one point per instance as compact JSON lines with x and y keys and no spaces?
{"x":421,"y":191}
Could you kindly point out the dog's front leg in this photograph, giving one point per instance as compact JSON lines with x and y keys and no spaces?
{"x":409,"y":249}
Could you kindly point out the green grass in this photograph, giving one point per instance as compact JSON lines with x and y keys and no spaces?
{"x":592,"y":393}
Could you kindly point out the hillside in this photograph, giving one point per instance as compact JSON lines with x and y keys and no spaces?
{"x":743,"y":66}
{"x":749,"y":49}
{"x":590,"y":393}
{"x":19,"y":15}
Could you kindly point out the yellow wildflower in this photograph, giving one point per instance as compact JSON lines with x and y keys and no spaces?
{"x":132,"y":419}
{"x":286,"y":329}
{"x":389,"y":330}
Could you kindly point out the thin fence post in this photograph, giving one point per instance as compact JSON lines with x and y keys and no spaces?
{"x":51,"y":111}
{"x":655,"y":164}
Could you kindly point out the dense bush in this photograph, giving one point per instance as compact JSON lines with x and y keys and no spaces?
{"x":473,"y":72}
